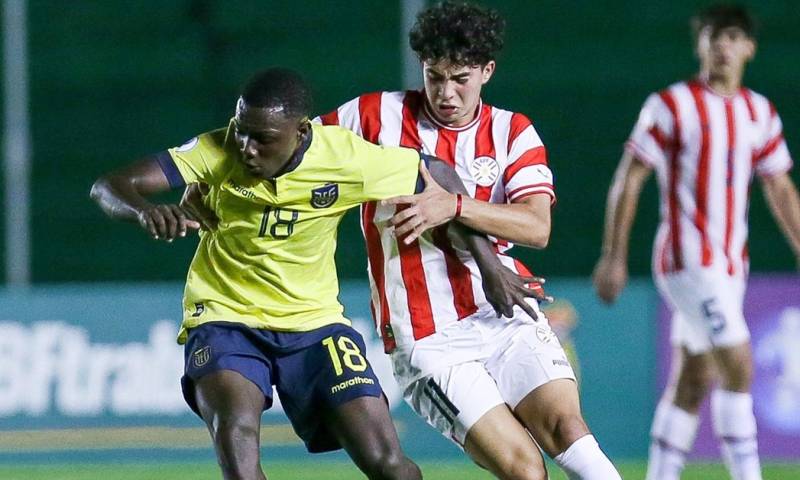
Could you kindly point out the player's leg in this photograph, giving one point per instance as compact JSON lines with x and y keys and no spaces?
{"x":334,"y":400}
{"x":552,"y":414}
{"x":732,"y":412}
{"x":500,"y":444}
{"x":231,"y":406}
{"x":536,"y":380}
{"x":365,"y":430}
{"x":675,"y":422}
{"x":463,"y":403}
{"x":227,"y":382}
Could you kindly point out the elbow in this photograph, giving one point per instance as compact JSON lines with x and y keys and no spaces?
{"x":98,"y":187}
{"x":539,"y":241}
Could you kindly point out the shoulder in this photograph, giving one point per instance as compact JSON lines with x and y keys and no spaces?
{"x":760,"y":104}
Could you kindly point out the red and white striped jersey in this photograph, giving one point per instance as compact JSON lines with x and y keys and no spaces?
{"x":705,"y":149}
{"x":419,"y":288}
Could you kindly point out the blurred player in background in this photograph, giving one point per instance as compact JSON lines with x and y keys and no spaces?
{"x":705,"y":138}
{"x":482,"y":381}
{"x":260,"y":305}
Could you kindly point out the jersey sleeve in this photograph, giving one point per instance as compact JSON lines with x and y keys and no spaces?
{"x":652,"y":135}
{"x":388,"y":171}
{"x":348,"y":116}
{"x":201,"y":158}
{"x":772,"y":156}
{"x":527,"y":172}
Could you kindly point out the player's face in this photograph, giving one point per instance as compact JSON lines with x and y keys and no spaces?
{"x":267,"y":137}
{"x":454,"y":91}
{"x":724,"y":53}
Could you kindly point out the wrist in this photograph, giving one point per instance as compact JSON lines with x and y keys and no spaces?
{"x":459,"y":204}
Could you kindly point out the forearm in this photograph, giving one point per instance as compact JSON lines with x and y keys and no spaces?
{"x":784,"y":202}
{"x":515,"y":222}
{"x":118,"y":198}
{"x":122,"y":194}
{"x":623,"y":198}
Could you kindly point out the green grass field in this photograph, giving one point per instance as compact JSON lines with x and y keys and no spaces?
{"x":330,"y":471}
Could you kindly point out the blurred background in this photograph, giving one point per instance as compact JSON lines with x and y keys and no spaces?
{"x":88,"y":364}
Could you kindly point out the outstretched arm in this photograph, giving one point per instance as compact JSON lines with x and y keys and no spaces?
{"x":784,"y":202}
{"x":611,"y":273}
{"x":526,"y":222}
{"x":503,"y":287}
{"x":122,"y":195}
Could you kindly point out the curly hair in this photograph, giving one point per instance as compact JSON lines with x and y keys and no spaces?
{"x":461,"y":33}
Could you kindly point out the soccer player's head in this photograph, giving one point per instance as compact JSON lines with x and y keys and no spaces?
{"x":457,"y":44}
{"x":271,"y":120}
{"x":724,"y":40}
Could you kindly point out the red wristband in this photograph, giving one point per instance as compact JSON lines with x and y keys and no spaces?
{"x":458,"y":205}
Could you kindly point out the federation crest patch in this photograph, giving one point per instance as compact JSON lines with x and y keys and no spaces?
{"x":324,"y":197}
{"x":484,"y":170}
{"x":201,"y":356}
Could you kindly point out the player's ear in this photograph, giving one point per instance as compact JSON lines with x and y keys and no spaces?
{"x":753,"y":46}
{"x":488,"y":71}
{"x":303,"y":127}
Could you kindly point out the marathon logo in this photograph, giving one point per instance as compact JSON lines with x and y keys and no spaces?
{"x":241,"y":190}
{"x":353,"y":381}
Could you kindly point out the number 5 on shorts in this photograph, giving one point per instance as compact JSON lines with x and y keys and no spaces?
{"x":348,"y":351}
{"x":715,"y":318}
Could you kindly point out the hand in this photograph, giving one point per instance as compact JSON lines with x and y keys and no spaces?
{"x":192,"y":202}
{"x":165,"y":222}
{"x":504,"y":288}
{"x":433,"y":207}
{"x":609,"y":278}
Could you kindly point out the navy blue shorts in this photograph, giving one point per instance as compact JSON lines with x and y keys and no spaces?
{"x":312,"y":371}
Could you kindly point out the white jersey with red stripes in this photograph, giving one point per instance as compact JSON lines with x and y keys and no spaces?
{"x":705,"y":149}
{"x":419,"y":288}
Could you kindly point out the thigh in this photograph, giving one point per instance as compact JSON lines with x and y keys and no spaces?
{"x":454,"y":398}
{"x":707,"y":309}
{"x":217,"y":347}
{"x":226,"y":395}
{"x":318,"y":378}
{"x":364,"y":428}
{"x":552,"y":413}
{"x":499,"y":443}
{"x":528,"y":357}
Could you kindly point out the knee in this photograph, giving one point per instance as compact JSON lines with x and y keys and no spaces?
{"x":568,"y":429}
{"x":235,"y":430}
{"x":389,"y":465}
{"x":692,"y":388}
{"x":738,"y":377}
{"x":237,"y":444}
{"x":521,"y":464}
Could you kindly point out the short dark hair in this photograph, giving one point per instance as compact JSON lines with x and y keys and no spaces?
{"x":278,"y":87}
{"x":722,"y":16}
{"x":462,"y":33}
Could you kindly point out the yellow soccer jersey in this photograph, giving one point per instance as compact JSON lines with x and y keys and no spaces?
{"x":270,"y":263}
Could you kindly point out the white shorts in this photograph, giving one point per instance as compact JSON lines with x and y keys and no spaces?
{"x":706,"y":308}
{"x":455,"y":376}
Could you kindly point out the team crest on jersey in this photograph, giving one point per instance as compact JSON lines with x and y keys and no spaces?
{"x":201,"y":356}
{"x":484,"y":170}
{"x":190,"y":144}
{"x":545,"y":335}
{"x":324,"y":197}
